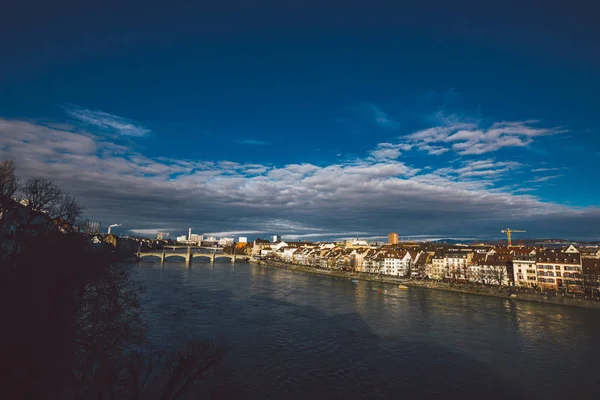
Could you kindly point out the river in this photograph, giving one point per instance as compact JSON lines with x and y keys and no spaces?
{"x":296,"y":335}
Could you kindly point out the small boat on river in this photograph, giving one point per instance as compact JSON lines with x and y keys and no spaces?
{"x":402,"y":287}
{"x":354,"y":280}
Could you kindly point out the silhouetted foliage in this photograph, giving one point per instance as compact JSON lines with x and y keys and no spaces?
{"x":44,"y":195}
{"x":76,"y":329}
{"x":41,"y":194}
{"x":9,"y":183}
{"x":73,"y":322}
{"x":68,"y":210}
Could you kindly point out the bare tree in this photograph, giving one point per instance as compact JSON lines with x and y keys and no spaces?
{"x":408,"y":270}
{"x":44,"y":195}
{"x":498,"y":274}
{"x":9,"y":183}
{"x":68,"y":210}
{"x":483,"y":275}
{"x":41,"y":194}
{"x":466,"y":272}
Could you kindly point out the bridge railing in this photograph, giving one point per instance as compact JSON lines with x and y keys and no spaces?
{"x":190,"y":256}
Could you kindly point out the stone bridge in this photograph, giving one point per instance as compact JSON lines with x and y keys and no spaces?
{"x":189,"y":256}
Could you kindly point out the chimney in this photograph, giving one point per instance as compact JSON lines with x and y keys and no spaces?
{"x":190,"y":234}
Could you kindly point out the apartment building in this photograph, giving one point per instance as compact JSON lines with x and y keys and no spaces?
{"x":559,"y":270}
{"x":438,"y":268}
{"x":524,"y":270}
{"x":456,"y":263}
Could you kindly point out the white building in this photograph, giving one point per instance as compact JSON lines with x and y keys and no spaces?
{"x":276,"y":238}
{"x":226,"y":241}
{"x":288,"y":253}
{"x":438,"y":267}
{"x":278,"y":245}
{"x":162,"y":235}
{"x":265,"y":252}
{"x":326,"y":246}
{"x":490,"y":269}
{"x":210,"y":239}
{"x":559,"y":270}
{"x":354,"y":243}
{"x":524,"y":270}
{"x":182,"y":238}
{"x":396,"y":263}
{"x":196,"y":238}
{"x":242,"y":239}
{"x":456,"y":263}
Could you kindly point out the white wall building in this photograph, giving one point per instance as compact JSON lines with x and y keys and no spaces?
{"x":182,"y":238}
{"x":524,"y":271}
{"x":278,"y":245}
{"x":265,"y":252}
{"x":396,"y":263}
{"x":438,"y":266}
{"x":288,"y":253}
{"x":196,"y":238}
{"x":242,"y":239}
{"x":456,"y":263}
{"x":226,"y":241}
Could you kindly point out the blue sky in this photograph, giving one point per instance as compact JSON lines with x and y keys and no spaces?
{"x":439,"y":119}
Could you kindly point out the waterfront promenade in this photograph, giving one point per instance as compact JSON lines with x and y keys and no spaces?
{"x":494,"y":291}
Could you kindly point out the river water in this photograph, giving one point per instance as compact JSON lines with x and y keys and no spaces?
{"x":296,"y":335}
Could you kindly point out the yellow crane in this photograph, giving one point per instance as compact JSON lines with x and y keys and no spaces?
{"x":508,"y":232}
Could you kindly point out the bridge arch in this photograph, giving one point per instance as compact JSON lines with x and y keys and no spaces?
{"x":150,"y":257}
{"x":223,"y":258}
{"x":202,"y":258}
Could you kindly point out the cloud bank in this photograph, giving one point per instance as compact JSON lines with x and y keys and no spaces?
{"x":367,"y":196}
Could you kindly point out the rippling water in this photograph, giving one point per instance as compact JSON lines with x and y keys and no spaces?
{"x":302,"y":336}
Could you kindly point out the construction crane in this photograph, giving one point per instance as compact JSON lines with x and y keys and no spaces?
{"x":112,"y":226}
{"x":509,"y":232}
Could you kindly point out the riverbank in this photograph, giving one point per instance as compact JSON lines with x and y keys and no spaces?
{"x":511,"y":293}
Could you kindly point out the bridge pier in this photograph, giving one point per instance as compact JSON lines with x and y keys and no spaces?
{"x":189,"y":257}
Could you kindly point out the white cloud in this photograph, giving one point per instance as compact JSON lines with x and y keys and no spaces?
{"x":151,"y":232}
{"x":106,"y":121}
{"x":117,"y":183}
{"x":471,"y":138}
{"x":234,"y":233}
{"x":544,"y":178}
{"x":523,"y":190}
{"x":388,"y":151}
{"x":329,"y":235}
{"x":545,"y":169}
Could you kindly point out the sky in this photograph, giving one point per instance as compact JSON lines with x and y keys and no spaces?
{"x":311,"y":121}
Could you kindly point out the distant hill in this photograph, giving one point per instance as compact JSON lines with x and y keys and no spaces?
{"x":495,"y":241}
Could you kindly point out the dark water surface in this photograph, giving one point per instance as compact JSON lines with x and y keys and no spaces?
{"x":302,"y":336}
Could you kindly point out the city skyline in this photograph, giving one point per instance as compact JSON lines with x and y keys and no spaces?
{"x":247,"y":123}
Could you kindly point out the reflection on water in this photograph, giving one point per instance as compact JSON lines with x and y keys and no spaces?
{"x":297,"y":335}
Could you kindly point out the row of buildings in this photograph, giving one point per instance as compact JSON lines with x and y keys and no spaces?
{"x":199,"y":240}
{"x":571,"y":268}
